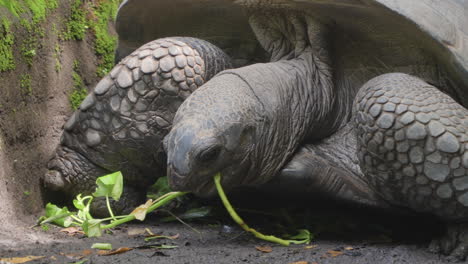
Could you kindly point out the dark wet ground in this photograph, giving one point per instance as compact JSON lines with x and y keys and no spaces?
{"x":342,"y":235}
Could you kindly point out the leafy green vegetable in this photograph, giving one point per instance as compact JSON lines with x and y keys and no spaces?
{"x":159,"y":188}
{"x":57,"y":215}
{"x":108,"y":185}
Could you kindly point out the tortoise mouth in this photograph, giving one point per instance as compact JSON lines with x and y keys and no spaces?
{"x":189,"y":183}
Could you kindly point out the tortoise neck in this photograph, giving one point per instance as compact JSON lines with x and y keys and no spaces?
{"x":296,"y":98}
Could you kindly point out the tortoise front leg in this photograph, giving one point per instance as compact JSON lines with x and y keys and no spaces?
{"x":412,"y":147}
{"x":328,"y":169}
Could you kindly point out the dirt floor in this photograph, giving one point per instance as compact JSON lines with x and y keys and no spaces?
{"x":345,"y":238}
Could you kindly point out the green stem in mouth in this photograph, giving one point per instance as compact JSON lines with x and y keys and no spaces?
{"x":238,"y":219}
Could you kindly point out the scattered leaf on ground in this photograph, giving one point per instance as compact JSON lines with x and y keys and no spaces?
{"x":114,"y":252}
{"x":149,"y":231}
{"x":21,"y":259}
{"x":299,"y":262}
{"x":265,"y":249}
{"x":73,"y":230}
{"x":334,"y":253}
{"x":158,"y":246}
{"x":163,"y":246}
{"x":79,"y":255}
{"x":53,"y":258}
{"x":349,"y":248}
{"x":136,"y":231}
{"x":148,"y":238}
{"x":311,"y":247}
{"x":103,"y":246}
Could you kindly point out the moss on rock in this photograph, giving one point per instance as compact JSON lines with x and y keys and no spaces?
{"x":7,"y":38}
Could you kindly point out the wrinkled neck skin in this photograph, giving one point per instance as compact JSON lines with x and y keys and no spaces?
{"x":296,"y":99}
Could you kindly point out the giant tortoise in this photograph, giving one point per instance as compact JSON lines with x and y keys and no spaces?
{"x":360,"y":100}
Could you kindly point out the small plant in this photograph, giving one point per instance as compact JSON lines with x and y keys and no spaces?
{"x":76,"y":26}
{"x":76,"y":97}
{"x":25,"y":83}
{"x":57,"y":53}
{"x":76,"y":65}
{"x":7,"y":61}
{"x":28,"y":49}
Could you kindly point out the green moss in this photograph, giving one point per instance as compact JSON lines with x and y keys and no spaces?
{"x":76,"y":97}
{"x":75,"y":27}
{"x":28,"y":48}
{"x":79,"y":93}
{"x":76,"y":65}
{"x":36,"y":11}
{"x":38,"y":8}
{"x":15,"y":7}
{"x":7,"y":38}
{"x":100,"y":13}
{"x":104,"y":12}
{"x":25,"y":83}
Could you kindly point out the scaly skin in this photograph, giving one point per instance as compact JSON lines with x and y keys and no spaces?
{"x":413,"y":150}
{"x":121,"y":124}
{"x":410,"y":141}
{"x":412,"y":145}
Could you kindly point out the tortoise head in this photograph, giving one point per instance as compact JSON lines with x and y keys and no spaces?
{"x":209,"y":135}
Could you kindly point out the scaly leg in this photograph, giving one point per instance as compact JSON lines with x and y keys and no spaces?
{"x":412,"y":147}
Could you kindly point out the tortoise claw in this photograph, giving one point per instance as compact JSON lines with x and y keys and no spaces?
{"x":54,"y":180}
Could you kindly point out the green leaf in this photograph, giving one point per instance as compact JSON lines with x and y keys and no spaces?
{"x":83,"y":206}
{"x":92,"y":227}
{"x":102,"y":246}
{"x":303,"y":237}
{"x":79,"y":202}
{"x":110,"y":185}
{"x":57,"y":215}
{"x":159,"y":188}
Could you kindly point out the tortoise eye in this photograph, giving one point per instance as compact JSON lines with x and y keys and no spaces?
{"x":209,"y":154}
